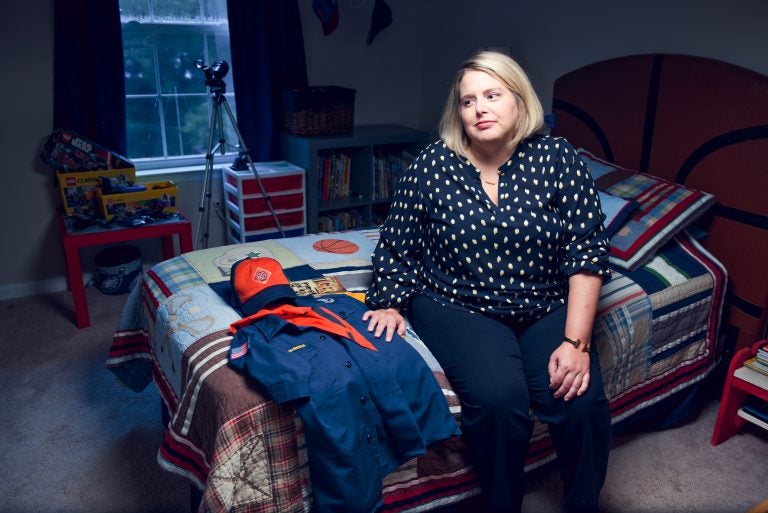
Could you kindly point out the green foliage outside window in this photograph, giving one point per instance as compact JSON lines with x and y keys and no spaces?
{"x":168,"y":106}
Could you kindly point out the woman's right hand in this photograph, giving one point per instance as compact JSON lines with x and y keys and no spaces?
{"x":388,"y":319}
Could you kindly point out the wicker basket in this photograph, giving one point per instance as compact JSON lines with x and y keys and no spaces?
{"x":326,"y":110}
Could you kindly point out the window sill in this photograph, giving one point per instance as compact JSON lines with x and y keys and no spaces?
{"x":180,"y":173}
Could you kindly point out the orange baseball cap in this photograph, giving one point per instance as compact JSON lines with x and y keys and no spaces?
{"x":258,"y":282}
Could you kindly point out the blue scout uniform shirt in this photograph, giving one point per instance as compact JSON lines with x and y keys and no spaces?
{"x":365,"y":412}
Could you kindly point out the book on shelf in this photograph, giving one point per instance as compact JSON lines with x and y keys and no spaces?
{"x":762,"y":354}
{"x":387,"y":169}
{"x":752,"y":376}
{"x":755,"y":364}
{"x":334,"y":174}
{"x":344,"y":220}
{"x":747,"y":415}
{"x":756,"y":411}
{"x":757,"y":407}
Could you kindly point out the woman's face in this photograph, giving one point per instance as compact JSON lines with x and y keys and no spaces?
{"x":488,"y":109}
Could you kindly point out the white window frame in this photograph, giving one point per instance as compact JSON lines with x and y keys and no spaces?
{"x":173,"y":165}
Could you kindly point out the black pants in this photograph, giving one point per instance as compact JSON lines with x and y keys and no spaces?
{"x":499,"y":372}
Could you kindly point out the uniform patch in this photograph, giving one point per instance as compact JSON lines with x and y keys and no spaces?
{"x":261,"y":275}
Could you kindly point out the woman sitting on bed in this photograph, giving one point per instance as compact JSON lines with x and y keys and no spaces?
{"x":494,"y":249}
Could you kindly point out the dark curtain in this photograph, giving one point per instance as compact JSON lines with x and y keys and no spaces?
{"x":88,"y":76}
{"x":89,"y":80}
{"x":267,"y":57}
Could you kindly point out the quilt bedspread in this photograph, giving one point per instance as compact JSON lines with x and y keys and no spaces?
{"x":655,"y":333}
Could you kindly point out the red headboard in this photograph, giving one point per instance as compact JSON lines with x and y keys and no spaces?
{"x":696,"y":121}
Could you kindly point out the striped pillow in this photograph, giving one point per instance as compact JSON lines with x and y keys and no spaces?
{"x":617,"y":211}
{"x":665,"y":208}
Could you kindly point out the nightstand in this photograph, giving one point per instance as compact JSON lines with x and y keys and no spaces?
{"x":738,"y":388}
{"x":72,"y":240}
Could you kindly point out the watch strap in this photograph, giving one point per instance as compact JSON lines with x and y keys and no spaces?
{"x":577,"y":343}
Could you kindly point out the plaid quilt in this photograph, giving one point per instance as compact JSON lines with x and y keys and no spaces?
{"x":655,"y":333}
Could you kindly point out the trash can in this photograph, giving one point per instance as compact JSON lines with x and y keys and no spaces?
{"x":118,"y":268}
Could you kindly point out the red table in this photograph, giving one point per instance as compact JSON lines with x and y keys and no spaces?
{"x":73,"y":240}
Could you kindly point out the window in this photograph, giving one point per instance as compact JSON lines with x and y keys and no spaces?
{"x":168,"y":105}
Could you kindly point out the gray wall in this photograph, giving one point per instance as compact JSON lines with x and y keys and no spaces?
{"x":401,"y":78}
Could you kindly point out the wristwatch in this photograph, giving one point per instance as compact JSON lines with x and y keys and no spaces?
{"x":576,"y":343}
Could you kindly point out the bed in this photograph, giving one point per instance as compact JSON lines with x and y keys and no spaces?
{"x":697,"y":122}
{"x":664,"y":320}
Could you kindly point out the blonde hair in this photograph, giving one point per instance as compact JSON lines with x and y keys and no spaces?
{"x":509,"y":72}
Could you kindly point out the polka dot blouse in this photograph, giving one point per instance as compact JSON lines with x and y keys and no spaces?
{"x":445,"y":238}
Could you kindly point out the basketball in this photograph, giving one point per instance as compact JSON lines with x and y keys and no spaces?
{"x":336,"y":246}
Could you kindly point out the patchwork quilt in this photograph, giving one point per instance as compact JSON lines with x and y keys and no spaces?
{"x":656,"y":334}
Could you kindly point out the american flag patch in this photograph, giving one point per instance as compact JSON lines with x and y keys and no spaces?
{"x":238,"y":352}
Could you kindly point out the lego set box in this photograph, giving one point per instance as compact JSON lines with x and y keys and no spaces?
{"x":67,"y":151}
{"x":158,"y":199}
{"x":79,"y":189}
{"x":97,"y":183}
{"x":82,"y":167}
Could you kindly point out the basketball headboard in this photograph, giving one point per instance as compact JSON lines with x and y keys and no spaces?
{"x":699,"y":122}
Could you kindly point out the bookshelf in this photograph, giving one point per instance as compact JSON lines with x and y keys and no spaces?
{"x":743,"y":385}
{"x":344,"y":181}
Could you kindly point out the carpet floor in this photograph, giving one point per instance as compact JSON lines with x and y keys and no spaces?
{"x":74,"y":440}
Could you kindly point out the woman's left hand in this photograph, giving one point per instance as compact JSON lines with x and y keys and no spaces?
{"x":568,"y":371}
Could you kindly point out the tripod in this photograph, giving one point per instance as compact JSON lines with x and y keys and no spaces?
{"x":214,"y":76}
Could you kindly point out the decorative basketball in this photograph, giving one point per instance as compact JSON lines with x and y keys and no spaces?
{"x":337,"y":246}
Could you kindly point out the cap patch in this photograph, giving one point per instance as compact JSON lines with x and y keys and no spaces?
{"x":261,"y":275}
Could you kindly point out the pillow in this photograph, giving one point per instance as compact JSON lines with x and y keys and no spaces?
{"x":665,"y":208}
{"x":617,"y":211}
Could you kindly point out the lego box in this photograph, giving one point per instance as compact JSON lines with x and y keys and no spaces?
{"x":79,"y":189}
{"x":68,"y":151}
{"x":159,"y":198}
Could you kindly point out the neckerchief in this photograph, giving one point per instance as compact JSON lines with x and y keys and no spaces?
{"x":315,"y":317}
